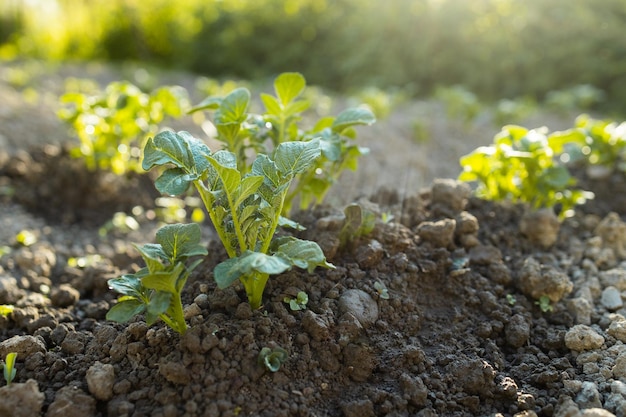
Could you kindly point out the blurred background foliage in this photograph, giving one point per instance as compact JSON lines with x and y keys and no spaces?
{"x":493,"y":48}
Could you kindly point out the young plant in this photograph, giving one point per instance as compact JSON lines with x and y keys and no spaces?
{"x":155,"y":290}
{"x":9,"y":367}
{"x":243,"y":133}
{"x":6,"y":309}
{"x":382,"y":290}
{"x":298,"y":303}
{"x":603,"y":142}
{"x":113,"y":125}
{"x":245,"y":208}
{"x":272,"y":359}
{"x":523,"y":165}
{"x":359,"y":222}
{"x":545,"y":304}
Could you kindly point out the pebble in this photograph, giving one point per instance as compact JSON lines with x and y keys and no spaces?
{"x":72,"y":401}
{"x":589,"y":396}
{"x":24,"y":346}
{"x":582,"y":337}
{"x":21,"y":400}
{"x":611,"y":298}
{"x":100,"y":379}
{"x":440,"y":234}
{"x":361,"y":305}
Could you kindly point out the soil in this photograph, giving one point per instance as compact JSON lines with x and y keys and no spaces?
{"x":461,"y":332}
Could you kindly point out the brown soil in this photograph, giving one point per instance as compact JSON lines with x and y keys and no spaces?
{"x":460,"y":334}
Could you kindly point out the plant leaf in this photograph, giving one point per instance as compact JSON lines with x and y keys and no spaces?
{"x":128,"y":284}
{"x":209,"y":103}
{"x":125,"y":310}
{"x":173,"y":182}
{"x":352,"y":117}
{"x":295,"y":157}
{"x":180,"y":240}
{"x":159,"y":303}
{"x":249,"y":185}
{"x":232,"y":269}
{"x":304,"y":254}
{"x":272,"y":106}
{"x":164,"y":281}
{"x":264,"y":166}
{"x":233,"y":108}
{"x":288,"y":86}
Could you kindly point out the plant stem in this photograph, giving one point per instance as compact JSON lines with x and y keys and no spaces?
{"x":254,"y":283}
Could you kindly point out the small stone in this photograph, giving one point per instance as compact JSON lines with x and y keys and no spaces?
{"x":440,"y":234}
{"x":174,"y":372}
{"x":316,"y":325}
{"x":24,"y":346}
{"x":449,"y":196}
{"x":517,"y":331}
{"x":485,"y":255}
{"x":617,"y":329}
{"x":581,"y":308}
{"x":589,"y":396}
{"x":361,"y":305}
{"x":611,"y":299}
{"x":100,"y":379}
{"x":370,"y":255}
{"x":72,"y":401}
{"x":537,"y":280}
{"x":64,"y":295}
{"x":21,"y":400}
{"x":541,"y":227}
{"x":582,"y":337}
{"x":615,"y":277}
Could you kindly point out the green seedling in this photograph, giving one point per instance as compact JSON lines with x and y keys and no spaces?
{"x":6,"y":309}
{"x":359,"y":222}
{"x":510,"y":298}
{"x":603,"y":142}
{"x":272,"y":359}
{"x":155,"y":290}
{"x":113,"y":125}
{"x":382,"y":290}
{"x":9,"y":367}
{"x":298,"y":303}
{"x":522,"y":166}
{"x":243,"y":133}
{"x":4,"y":250}
{"x":544,"y":303}
{"x":245,"y":208}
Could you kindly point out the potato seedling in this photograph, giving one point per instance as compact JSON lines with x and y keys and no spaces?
{"x":272,"y":359}
{"x":358,"y":222}
{"x":382,"y":290}
{"x":245,"y":208}
{"x":522,"y":165}
{"x":155,"y":290}
{"x":9,"y":367}
{"x":544,"y":304}
{"x":298,"y":303}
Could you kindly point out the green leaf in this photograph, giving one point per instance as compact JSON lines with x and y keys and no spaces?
{"x":164,"y":281}
{"x":229,"y":176}
{"x":173,"y":182}
{"x":128,"y":284}
{"x":167,"y":148}
{"x":181,"y":240}
{"x":159,"y":303}
{"x":249,"y":185}
{"x":9,"y":367}
{"x":296,"y":107}
{"x":272,"y":106}
{"x":295,"y":157}
{"x":264,"y":166}
{"x":285,"y":222}
{"x":301,"y":253}
{"x":209,"y":103}
{"x":289,"y":86}
{"x":233,"y":108}
{"x":232,"y":269}
{"x":352,"y":117}
{"x":125,"y":310}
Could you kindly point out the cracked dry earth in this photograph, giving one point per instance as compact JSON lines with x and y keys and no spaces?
{"x":461,"y":333}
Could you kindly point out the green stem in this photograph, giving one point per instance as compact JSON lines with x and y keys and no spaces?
{"x":208,"y":204}
{"x":254,"y":284}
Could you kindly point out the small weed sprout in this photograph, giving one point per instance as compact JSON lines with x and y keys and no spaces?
{"x":26,"y":238}
{"x":272,"y":358}
{"x":382,"y":290}
{"x":9,"y":367}
{"x":510,"y":298}
{"x":544,"y":304}
{"x":6,"y":309}
{"x":298,"y":303}
{"x":359,"y":222}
